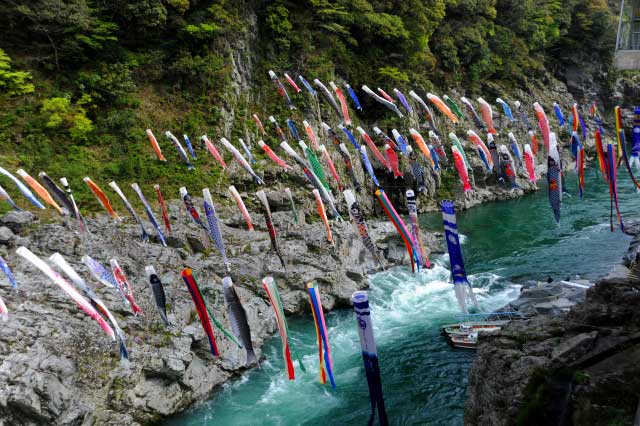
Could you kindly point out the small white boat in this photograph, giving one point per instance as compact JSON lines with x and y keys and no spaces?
{"x":466,"y":328}
{"x":469,"y":341}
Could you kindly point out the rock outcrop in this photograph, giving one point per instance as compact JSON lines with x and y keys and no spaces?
{"x":580,"y":368}
{"x":56,"y":365}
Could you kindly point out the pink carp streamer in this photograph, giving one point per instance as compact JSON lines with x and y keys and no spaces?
{"x":530,"y":163}
{"x":462,"y":170}
{"x":543,"y":123}
{"x":372,"y":146}
{"x":124,"y":286}
{"x":487,"y":116}
{"x":243,"y":209}
{"x":292,"y":83}
{"x":212,"y":149}
{"x":83,"y":303}
{"x":279,"y":161}
{"x":343,"y":103}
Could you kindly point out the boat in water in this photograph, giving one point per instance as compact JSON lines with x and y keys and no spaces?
{"x":469,"y":341}
{"x":467,"y":328}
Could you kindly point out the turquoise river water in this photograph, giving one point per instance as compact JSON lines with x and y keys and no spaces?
{"x":424,"y":379}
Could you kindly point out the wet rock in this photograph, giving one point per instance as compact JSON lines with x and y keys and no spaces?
{"x":6,"y":235}
{"x":16,"y":221}
{"x":584,"y":363}
{"x":574,"y":347}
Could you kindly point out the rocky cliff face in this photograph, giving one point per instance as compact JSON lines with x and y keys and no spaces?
{"x":56,"y":365}
{"x":575,"y":369}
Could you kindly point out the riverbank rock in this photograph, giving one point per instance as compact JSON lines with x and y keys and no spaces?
{"x":582,"y":368}
{"x":58,"y":367}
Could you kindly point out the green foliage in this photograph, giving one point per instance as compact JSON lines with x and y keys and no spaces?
{"x":72,"y":118}
{"x":105,"y":71}
{"x":394,"y":74}
{"x":13,"y":82}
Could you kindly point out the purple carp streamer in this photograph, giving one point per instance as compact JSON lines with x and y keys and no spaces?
{"x":103,"y":276}
{"x":360,"y":301}
{"x":461,"y":285}
{"x":403,"y":100}
{"x":150,"y":215}
{"x":357,"y":218}
{"x":214,"y":226}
